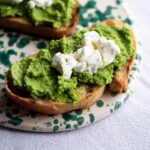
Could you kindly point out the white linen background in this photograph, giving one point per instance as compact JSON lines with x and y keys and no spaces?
{"x":127,"y":129}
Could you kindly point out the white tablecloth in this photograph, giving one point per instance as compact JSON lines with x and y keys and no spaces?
{"x":127,"y":129}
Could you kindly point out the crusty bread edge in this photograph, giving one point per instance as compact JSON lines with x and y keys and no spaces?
{"x":55,"y":108}
{"x":25,"y":26}
{"x":120,"y":81}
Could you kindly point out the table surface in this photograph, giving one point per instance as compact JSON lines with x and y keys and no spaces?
{"x":127,"y":129}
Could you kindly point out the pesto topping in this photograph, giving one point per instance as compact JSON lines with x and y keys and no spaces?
{"x":39,"y":15}
{"x":37,"y":76}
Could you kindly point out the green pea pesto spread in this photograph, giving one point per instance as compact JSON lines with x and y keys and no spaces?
{"x":40,"y":80}
{"x":58,"y":14}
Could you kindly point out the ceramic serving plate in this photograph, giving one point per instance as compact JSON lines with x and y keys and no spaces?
{"x":15,"y":46}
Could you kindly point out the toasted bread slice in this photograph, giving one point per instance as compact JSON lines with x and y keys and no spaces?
{"x":120,"y":80}
{"x":91,"y":95}
{"x":25,"y":26}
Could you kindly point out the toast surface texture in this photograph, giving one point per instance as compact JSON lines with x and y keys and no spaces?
{"x":25,"y":26}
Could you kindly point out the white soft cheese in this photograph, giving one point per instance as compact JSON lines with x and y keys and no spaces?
{"x":88,"y":60}
{"x":91,"y":38}
{"x":109,"y":50}
{"x":64,"y":63}
{"x":96,"y":52}
{"x":11,"y":1}
{"x":40,"y":3}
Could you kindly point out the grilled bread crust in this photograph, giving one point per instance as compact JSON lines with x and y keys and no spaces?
{"x":23,"y":25}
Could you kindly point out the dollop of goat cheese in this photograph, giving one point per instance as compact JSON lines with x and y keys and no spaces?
{"x":40,"y":3}
{"x":96,"y":52}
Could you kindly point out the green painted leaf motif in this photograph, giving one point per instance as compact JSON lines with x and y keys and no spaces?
{"x":117,"y":105}
{"x":75,"y":126}
{"x":138,"y":57}
{"x":22,"y":55}
{"x":128,"y":21}
{"x":126,"y":97}
{"x":15,"y":121}
{"x":83,"y":9}
{"x":69,"y":117}
{"x":41,"y":45}
{"x":92,"y":117}
{"x":118,"y":2}
{"x":5,"y":57}
{"x":93,"y":17}
{"x":100,"y":103}
{"x":90,"y":4}
{"x":64,"y":123}
{"x":129,"y":80}
{"x":134,"y":68}
{"x":80,"y":121}
{"x":23,"y":42}
{"x":56,"y":128}
{"x":48,"y":124}
{"x":56,"y":121}
{"x":68,"y":126}
{"x":12,"y":38}
{"x":78,"y":112}
{"x":111,"y":111}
